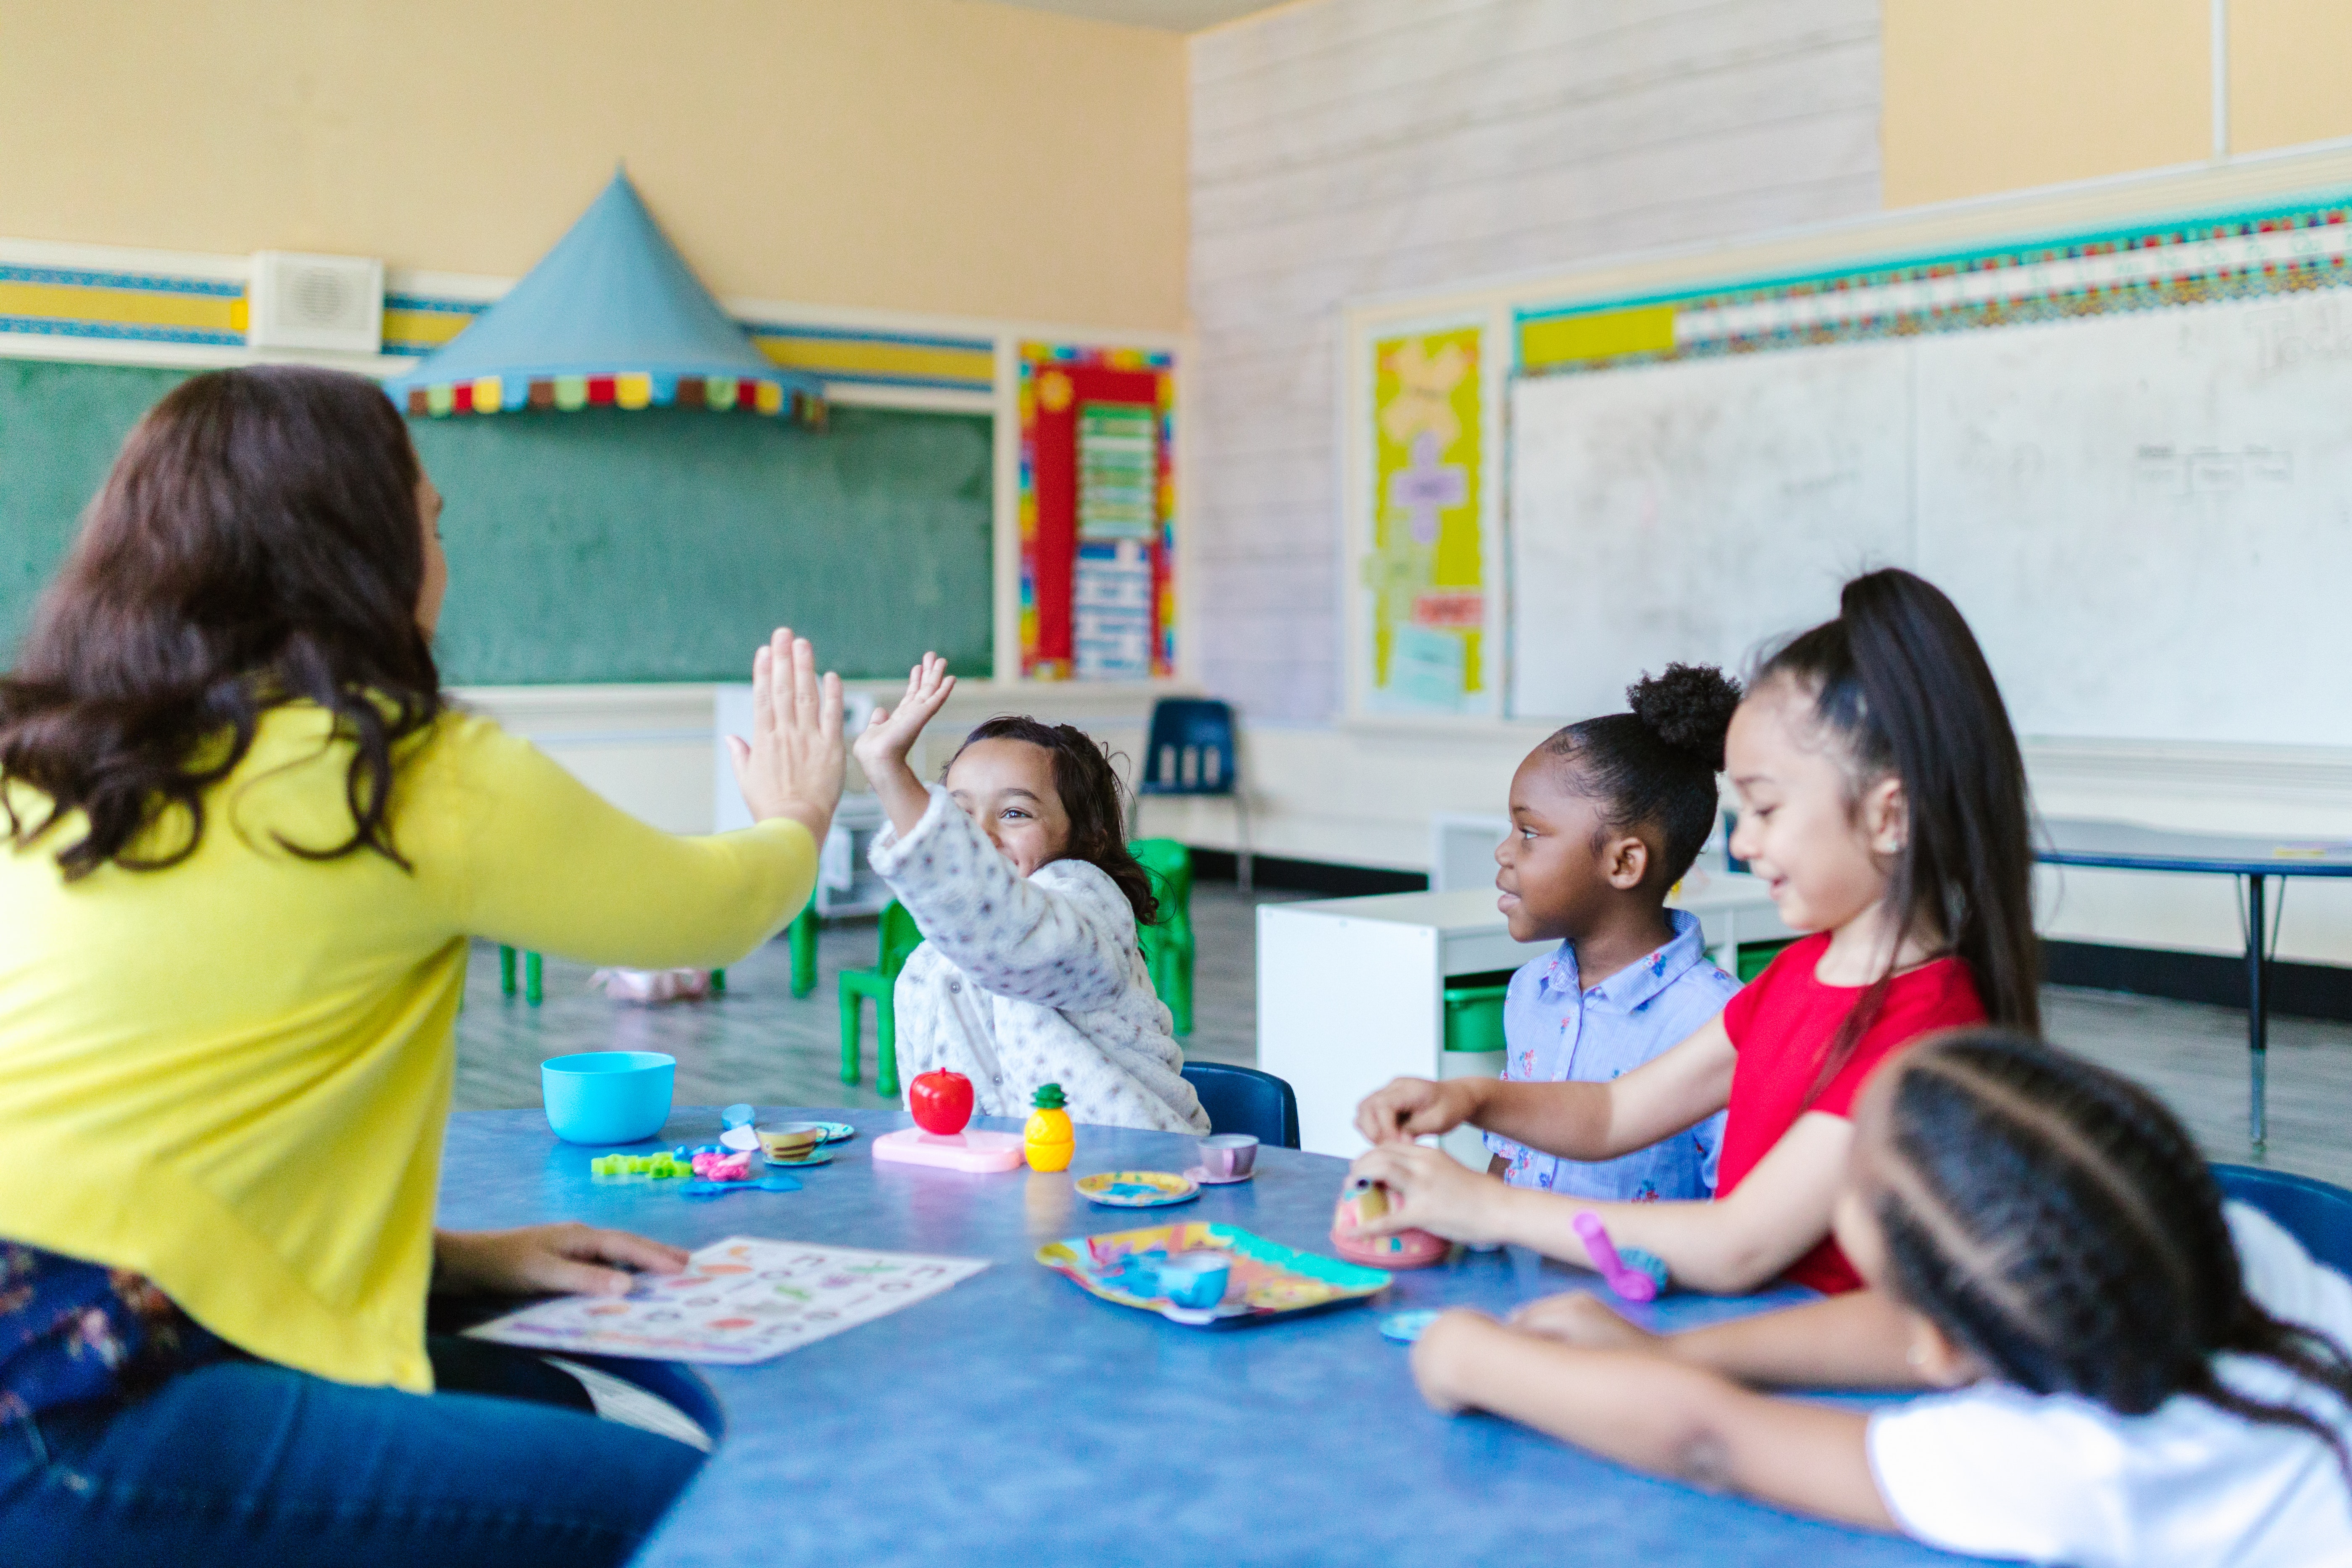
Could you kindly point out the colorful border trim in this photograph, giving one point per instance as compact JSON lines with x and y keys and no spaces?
{"x":625,"y":389}
{"x":1034,"y":359}
{"x":155,"y":308}
{"x":2190,"y":261}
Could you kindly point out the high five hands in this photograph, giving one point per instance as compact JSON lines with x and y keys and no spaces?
{"x":891,"y":734}
{"x":793,"y":765}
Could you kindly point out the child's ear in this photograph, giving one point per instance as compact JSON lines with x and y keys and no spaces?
{"x":1886,"y":817}
{"x":1626,"y":861}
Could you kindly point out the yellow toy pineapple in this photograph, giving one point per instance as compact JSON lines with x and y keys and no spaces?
{"x":1047,"y":1140}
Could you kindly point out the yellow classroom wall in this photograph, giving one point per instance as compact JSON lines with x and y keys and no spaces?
{"x":953,"y":157}
{"x":1984,"y":96}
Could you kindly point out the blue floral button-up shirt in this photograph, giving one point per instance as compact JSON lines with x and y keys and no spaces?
{"x":1557,"y":1031}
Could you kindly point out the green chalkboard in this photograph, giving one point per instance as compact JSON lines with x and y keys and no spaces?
{"x":612,"y":546}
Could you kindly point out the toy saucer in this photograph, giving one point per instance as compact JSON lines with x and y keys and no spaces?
{"x":1199,"y":1175}
{"x":836,"y":1131}
{"x":1137,"y":1189}
{"x":820,"y":1155}
{"x":1404,"y":1328}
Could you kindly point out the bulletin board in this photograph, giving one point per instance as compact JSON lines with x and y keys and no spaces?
{"x":1097,"y":510}
{"x":1424,"y":562}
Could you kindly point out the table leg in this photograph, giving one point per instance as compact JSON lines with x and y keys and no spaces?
{"x":2257,"y":1009}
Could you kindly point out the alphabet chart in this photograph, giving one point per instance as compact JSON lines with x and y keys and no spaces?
{"x":740,"y":1301}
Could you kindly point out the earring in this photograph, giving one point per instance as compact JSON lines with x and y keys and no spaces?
{"x":1917,"y":1360}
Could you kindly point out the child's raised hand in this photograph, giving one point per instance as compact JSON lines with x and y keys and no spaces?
{"x":1580,"y":1318}
{"x":892,"y":732}
{"x":1406,"y":1107}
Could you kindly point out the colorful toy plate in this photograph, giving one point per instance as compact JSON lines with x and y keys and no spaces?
{"x":837,"y":1131}
{"x":1137,"y":1189}
{"x":1269,"y":1280}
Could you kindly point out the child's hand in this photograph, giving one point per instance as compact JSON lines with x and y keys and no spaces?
{"x":1431,"y":1190}
{"x":1408,"y":1107}
{"x":1580,"y":1318}
{"x":892,"y":732}
{"x":792,"y":767}
{"x":1444,"y":1357}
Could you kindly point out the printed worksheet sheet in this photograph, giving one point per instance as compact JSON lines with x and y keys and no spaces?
{"x":741,"y":1301}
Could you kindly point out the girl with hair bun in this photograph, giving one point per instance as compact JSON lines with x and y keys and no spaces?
{"x":1883,"y":802}
{"x":2120,"y":1368}
{"x":1606,"y":816}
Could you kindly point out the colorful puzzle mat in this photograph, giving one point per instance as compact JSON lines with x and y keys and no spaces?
{"x":1269,"y":1280}
{"x":740,"y":1301}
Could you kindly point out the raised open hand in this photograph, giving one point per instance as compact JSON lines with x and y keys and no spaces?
{"x":793,"y":763}
{"x":892,"y":732}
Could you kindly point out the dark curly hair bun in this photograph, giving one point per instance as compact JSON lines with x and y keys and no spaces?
{"x":1689,"y":708}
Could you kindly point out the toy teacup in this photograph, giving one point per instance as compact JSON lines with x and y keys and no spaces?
{"x":791,"y":1141}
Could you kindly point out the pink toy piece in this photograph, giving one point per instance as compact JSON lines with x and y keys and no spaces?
{"x":723,"y":1167}
{"x":1406,"y":1250}
{"x":1631,"y":1284}
{"x":982,"y":1152}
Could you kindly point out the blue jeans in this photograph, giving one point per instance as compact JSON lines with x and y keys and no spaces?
{"x":245,"y":1463}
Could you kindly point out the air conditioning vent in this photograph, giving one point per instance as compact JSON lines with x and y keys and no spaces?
{"x":328,"y":303}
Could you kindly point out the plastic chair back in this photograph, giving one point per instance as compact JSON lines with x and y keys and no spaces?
{"x":1243,"y":1100}
{"x":1192,"y":750}
{"x":900,"y":938}
{"x":1169,"y":864}
{"x":2317,"y":1213}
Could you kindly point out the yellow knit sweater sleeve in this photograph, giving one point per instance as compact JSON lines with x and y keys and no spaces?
{"x":519,"y":852}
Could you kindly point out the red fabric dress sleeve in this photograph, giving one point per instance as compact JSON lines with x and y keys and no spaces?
{"x":1797,"y":958}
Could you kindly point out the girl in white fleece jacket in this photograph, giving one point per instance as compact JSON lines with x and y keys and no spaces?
{"x":1019,"y":875}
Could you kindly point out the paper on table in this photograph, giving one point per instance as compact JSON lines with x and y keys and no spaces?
{"x":740,"y":1301}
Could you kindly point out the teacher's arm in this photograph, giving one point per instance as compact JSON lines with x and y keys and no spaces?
{"x":525,"y":854}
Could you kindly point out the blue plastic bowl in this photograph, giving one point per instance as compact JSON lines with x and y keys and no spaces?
{"x":607,"y":1097}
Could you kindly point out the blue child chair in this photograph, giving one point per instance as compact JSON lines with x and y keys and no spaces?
{"x":2317,"y":1213}
{"x":1243,"y":1100}
{"x":1194,"y":751}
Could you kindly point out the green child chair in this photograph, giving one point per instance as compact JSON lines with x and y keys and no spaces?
{"x":900,"y":937}
{"x":800,"y":939}
{"x":1167,"y":943}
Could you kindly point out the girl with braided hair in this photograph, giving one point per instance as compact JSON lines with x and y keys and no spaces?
{"x":1016,"y":868}
{"x":2123,"y":1368}
{"x":1883,"y":802}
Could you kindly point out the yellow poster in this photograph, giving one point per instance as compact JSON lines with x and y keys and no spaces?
{"x":1427,"y":566}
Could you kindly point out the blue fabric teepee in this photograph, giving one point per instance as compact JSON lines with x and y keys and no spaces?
{"x":613,"y":315}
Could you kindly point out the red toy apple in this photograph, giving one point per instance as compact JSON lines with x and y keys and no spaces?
{"x":941,"y":1101}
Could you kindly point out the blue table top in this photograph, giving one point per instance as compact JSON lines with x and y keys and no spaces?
{"x":1015,"y":1419}
{"x":2124,"y":846}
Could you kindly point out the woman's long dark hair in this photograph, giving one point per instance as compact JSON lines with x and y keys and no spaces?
{"x":1090,"y":793}
{"x":257,"y":543}
{"x":1899,"y":681}
{"x":2057,"y":1222}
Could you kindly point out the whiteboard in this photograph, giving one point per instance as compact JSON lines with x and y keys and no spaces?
{"x":1691,"y":511}
{"x":2148,"y":518}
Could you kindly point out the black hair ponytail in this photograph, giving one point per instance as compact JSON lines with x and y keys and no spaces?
{"x":2058,"y":1223}
{"x":1656,"y":765}
{"x":1898,"y":678}
{"x":1091,"y":795}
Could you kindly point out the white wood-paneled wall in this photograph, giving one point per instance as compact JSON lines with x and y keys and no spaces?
{"x":1362,"y":147}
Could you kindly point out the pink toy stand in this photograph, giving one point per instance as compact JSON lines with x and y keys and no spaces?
{"x":955,"y":1152}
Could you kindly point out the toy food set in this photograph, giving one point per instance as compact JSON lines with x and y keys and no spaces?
{"x":1048,"y":1140}
{"x":1364,"y":1201}
{"x":942,"y":1104}
{"x":1162,"y":1269}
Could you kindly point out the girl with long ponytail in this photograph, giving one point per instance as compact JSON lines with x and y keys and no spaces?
{"x":1882,"y":801}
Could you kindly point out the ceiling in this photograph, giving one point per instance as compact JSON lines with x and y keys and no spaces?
{"x":1175,"y":16}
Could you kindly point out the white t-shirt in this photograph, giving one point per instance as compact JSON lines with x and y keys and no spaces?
{"x":2000,"y":1472}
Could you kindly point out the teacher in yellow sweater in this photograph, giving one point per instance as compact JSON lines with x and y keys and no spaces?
{"x":245,"y":842}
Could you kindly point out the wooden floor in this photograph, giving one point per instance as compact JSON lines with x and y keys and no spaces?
{"x":758,"y":1044}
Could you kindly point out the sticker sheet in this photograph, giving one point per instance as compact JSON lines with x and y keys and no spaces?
{"x":740,"y":1301}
